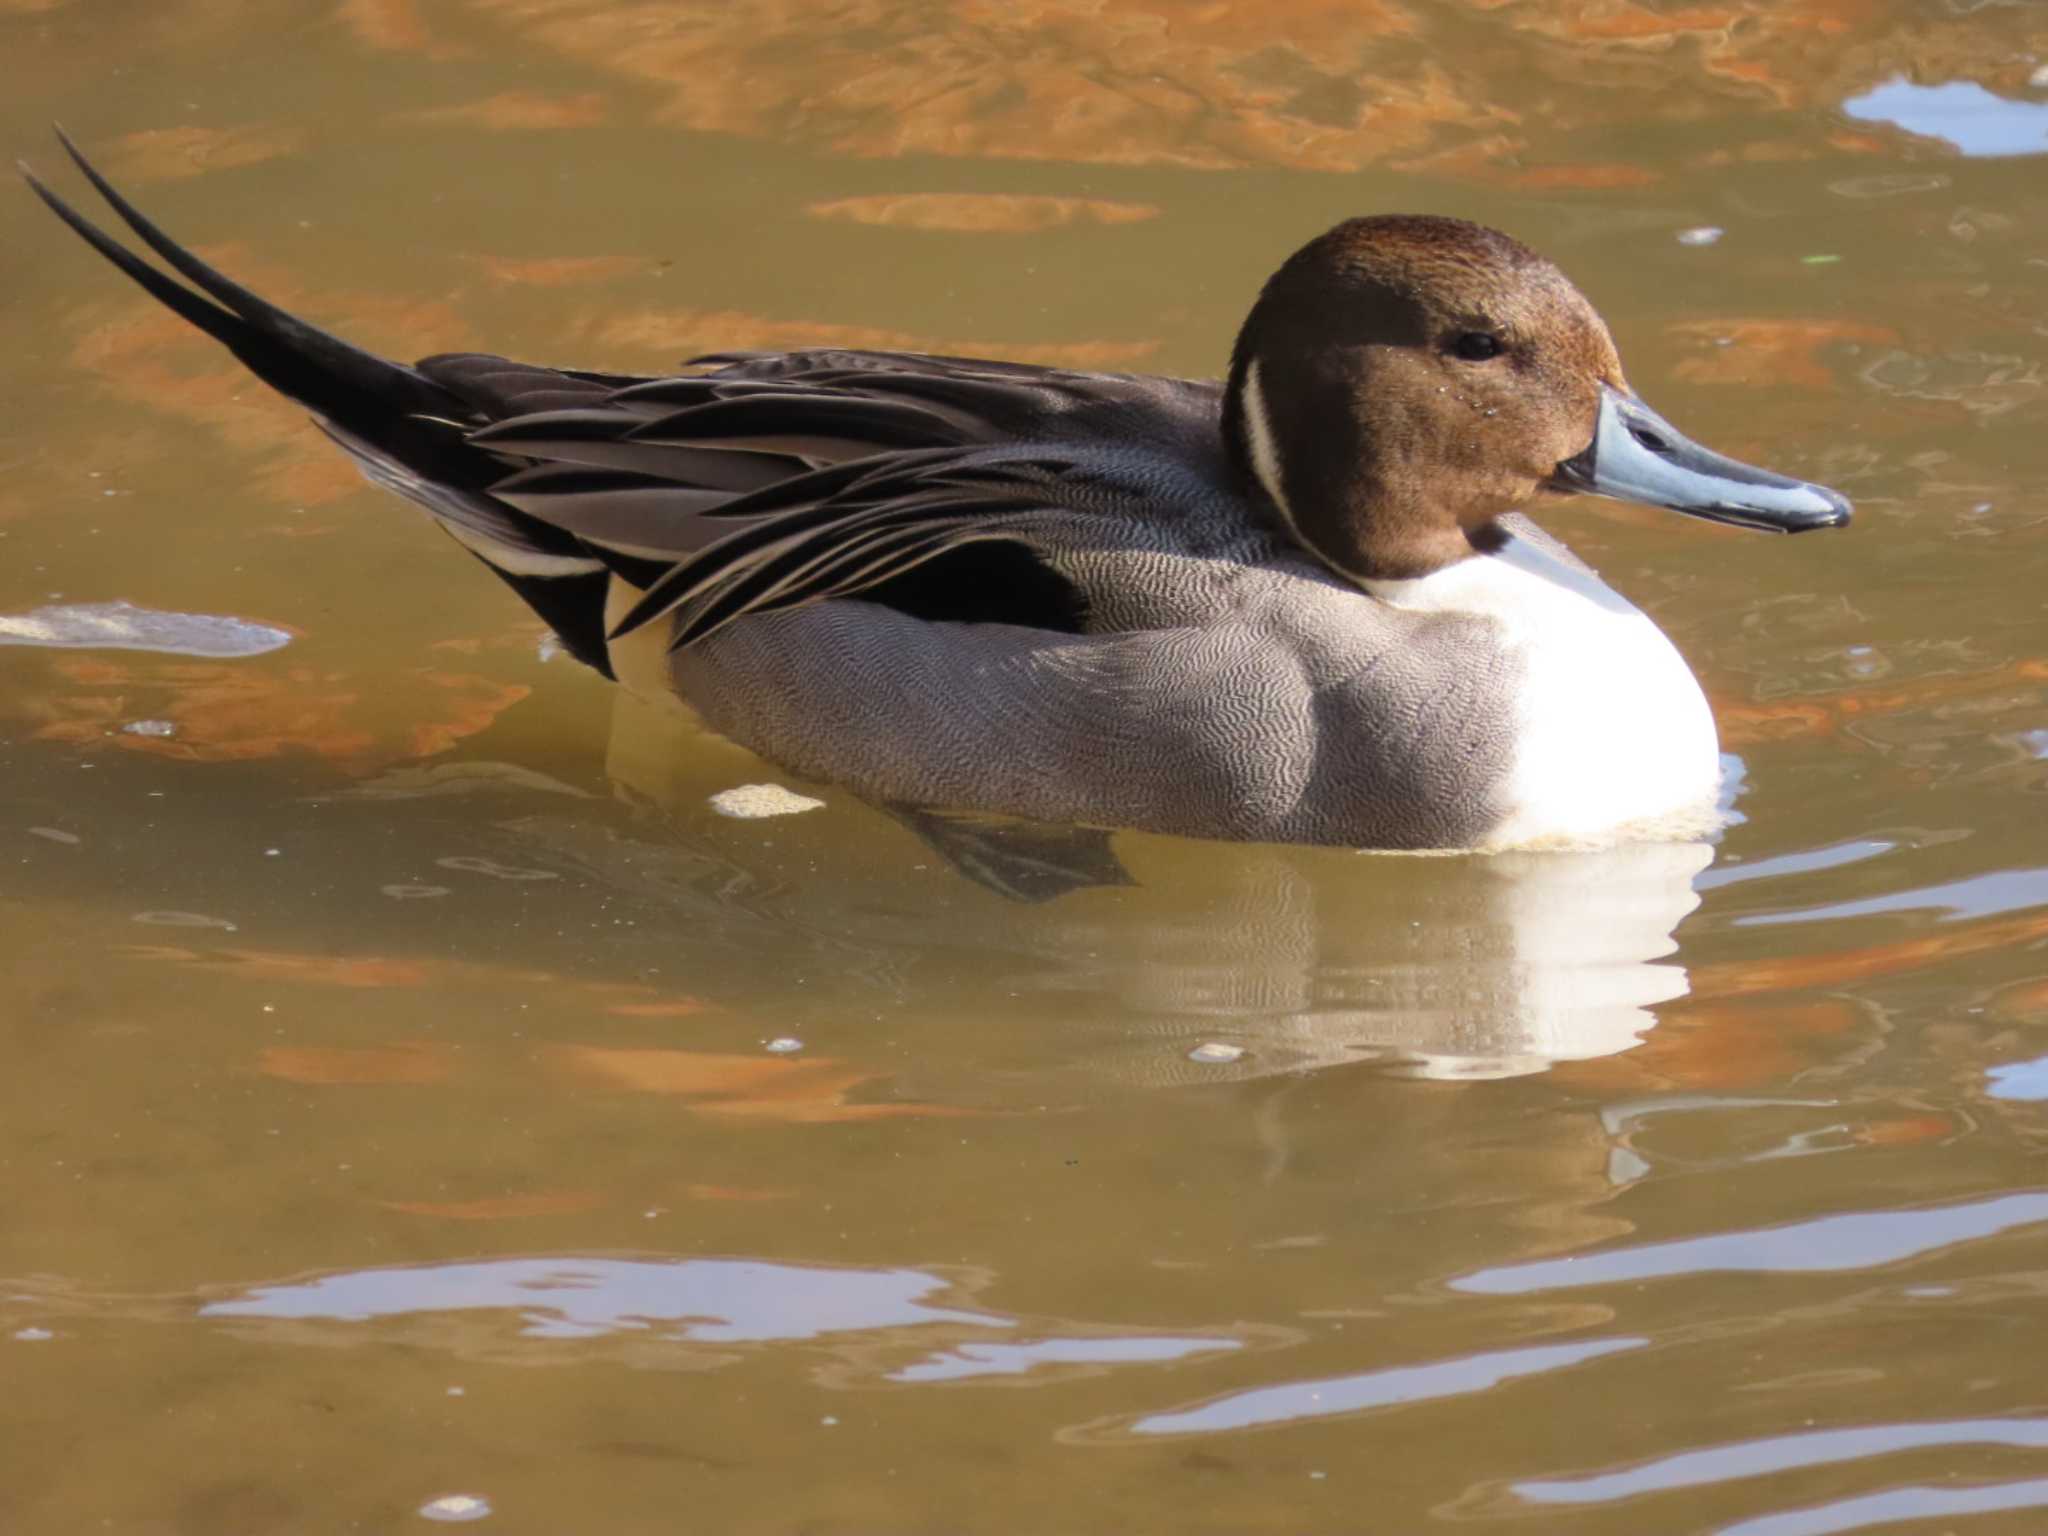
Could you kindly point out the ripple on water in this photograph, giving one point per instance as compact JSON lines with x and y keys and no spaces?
{"x":1296,"y":1401}
{"x":1781,"y":1453}
{"x":704,"y":1300}
{"x":1986,"y":895}
{"x":1854,"y":1240}
{"x":1893,"y":1505}
{"x":729,"y":1301}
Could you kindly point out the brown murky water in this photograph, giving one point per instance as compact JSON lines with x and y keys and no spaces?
{"x":388,"y":1112}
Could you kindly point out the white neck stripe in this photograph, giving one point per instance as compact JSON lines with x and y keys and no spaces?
{"x":1265,"y":457}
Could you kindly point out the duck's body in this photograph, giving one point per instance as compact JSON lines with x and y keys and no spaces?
{"x":1386,"y":730}
{"x":1295,"y":606}
{"x":1219,"y":681}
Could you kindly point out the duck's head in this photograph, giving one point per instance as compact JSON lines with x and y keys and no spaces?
{"x":1403,"y":381}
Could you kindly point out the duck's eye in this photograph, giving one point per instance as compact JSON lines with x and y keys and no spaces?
{"x":1477,"y":346}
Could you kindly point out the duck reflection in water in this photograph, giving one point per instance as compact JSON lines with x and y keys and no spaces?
{"x":1452,"y":966}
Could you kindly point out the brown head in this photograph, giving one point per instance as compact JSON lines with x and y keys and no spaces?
{"x":1404,"y":380}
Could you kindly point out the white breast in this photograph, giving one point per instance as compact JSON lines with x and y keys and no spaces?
{"x":1615,"y":737}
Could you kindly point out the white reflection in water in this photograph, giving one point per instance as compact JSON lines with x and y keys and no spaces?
{"x":673,"y":1304}
{"x":2023,"y":1080}
{"x":2003,"y":890}
{"x":1458,"y":966}
{"x":1804,"y":861}
{"x":707,"y":1300}
{"x":1296,"y":1401}
{"x":124,"y":627}
{"x":1893,"y":1506}
{"x":1551,"y":959}
{"x":1858,"y":1240}
{"x":968,"y":1360}
{"x":1781,"y":1453}
{"x":1961,"y":113}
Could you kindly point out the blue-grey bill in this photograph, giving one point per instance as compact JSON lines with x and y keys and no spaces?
{"x":1636,"y":455}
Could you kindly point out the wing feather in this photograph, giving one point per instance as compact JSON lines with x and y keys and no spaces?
{"x":843,"y":533}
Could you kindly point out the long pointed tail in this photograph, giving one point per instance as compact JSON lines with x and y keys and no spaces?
{"x":351,"y":387}
{"x":405,"y":430}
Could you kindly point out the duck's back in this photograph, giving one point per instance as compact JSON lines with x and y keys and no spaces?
{"x":947,"y":488}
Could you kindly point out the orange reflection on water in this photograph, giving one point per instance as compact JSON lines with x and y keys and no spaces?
{"x":556,"y":271}
{"x":148,"y":356}
{"x":394,"y":26}
{"x":519,"y":111}
{"x":1718,"y":1045}
{"x":1836,"y":967}
{"x":235,"y":712}
{"x":1778,"y":351}
{"x":663,"y":335}
{"x":1758,"y":43}
{"x":980,"y":212}
{"x":805,"y":1090}
{"x":634,"y":1000}
{"x":1105,"y":81}
{"x":1733,"y":1031}
{"x":409,"y":1061}
{"x":1745,"y":723}
{"x":1331,"y":85}
{"x":169,"y":154}
{"x":2026,"y":1001}
{"x":1906,"y":1130}
{"x":673,"y":1008}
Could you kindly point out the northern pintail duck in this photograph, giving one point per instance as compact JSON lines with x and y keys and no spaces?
{"x":1298,"y":605}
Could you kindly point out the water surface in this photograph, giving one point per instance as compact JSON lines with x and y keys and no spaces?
{"x":390,"y":1113}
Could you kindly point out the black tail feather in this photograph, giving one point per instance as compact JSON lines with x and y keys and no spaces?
{"x":210,"y":318}
{"x":365,"y":393}
{"x":405,"y":430}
